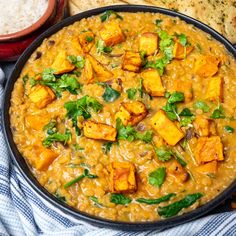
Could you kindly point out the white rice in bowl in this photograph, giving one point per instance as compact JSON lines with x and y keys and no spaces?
{"x":16,"y":15}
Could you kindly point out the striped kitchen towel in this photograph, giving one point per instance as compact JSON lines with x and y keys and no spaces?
{"x":24,"y":212}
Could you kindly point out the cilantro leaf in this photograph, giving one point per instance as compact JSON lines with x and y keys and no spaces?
{"x":89,"y":39}
{"x":158,"y":22}
{"x":120,"y":199}
{"x":157,"y":177}
{"x":81,"y":107}
{"x":130,"y":134}
{"x":143,"y":58}
{"x":106,"y":147}
{"x":131,"y":93}
{"x":185,"y":121}
{"x":59,"y":84}
{"x":108,"y":13}
{"x":102,"y":48}
{"x":110,"y":94}
{"x":176,"y":97}
{"x":78,"y":61}
{"x":186,"y":112}
{"x":201,"y":105}
{"x":164,"y":153}
{"x":50,"y":127}
{"x":69,"y":83}
{"x":182,"y":39}
{"x":166,"y":45}
{"x":218,"y":113}
{"x":171,"y":111}
{"x":229,"y":129}
{"x":57,"y":137}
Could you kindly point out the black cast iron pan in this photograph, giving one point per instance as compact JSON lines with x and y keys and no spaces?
{"x":24,"y":169}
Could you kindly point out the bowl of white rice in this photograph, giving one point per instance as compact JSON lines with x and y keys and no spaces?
{"x":21,"y":21}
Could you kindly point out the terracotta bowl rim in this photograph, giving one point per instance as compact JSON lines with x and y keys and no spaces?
{"x":33,"y":27}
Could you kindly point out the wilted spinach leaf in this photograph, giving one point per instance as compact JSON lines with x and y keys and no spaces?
{"x":120,"y":199}
{"x":174,"y":208}
{"x":156,"y":200}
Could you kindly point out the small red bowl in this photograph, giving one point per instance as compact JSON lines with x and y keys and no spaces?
{"x":12,"y":45}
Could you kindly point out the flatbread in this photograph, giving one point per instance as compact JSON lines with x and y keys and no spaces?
{"x":220,"y":15}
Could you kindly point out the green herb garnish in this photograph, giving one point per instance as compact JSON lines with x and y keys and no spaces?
{"x":164,"y":153}
{"x":186,"y":112}
{"x":187,"y":120}
{"x":176,"y":97}
{"x":106,"y":147}
{"x":218,"y":113}
{"x":78,"y":61}
{"x":157,"y":177}
{"x":102,"y":48}
{"x":108,"y":13}
{"x":110,"y":94}
{"x":60,"y":197}
{"x":131,"y":93}
{"x":50,"y":127}
{"x":120,"y":199}
{"x":229,"y":129}
{"x":158,"y":22}
{"x":166,"y":45}
{"x":182,"y":39}
{"x":77,"y":179}
{"x":174,"y":208}
{"x":89,"y":39}
{"x":130,"y":134}
{"x":81,"y":107}
{"x":156,"y":200}
{"x":201,"y":105}
{"x":57,"y":137}
{"x":95,"y":201}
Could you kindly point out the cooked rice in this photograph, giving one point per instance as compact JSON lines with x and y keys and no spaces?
{"x":16,"y":15}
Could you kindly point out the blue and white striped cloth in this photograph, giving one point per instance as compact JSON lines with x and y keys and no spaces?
{"x":24,"y":212}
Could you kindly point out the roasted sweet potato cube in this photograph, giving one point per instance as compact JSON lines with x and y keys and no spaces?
{"x":61,"y":64}
{"x":184,"y":86}
{"x":99,"y":131}
{"x":166,"y":128}
{"x":209,"y":149}
{"x":111,"y":33}
{"x":124,"y":115}
{"x":208,"y":168}
{"x":178,"y":171}
{"x":201,"y":126}
{"x":101,"y":72}
{"x":41,"y":96}
{"x":86,"y":40}
{"x":88,"y":72}
{"x":152,"y":83}
{"x":132,"y":61}
{"x":122,"y":177}
{"x":214,"y":90}
{"x":45,"y":158}
{"x":131,"y":113}
{"x":206,"y":66}
{"x":37,"y":121}
{"x":180,"y":52}
{"x":148,"y":42}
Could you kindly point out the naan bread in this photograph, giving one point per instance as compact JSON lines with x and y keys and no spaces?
{"x":220,"y":15}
